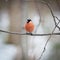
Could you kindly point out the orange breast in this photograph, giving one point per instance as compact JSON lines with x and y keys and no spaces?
{"x":29,"y":27}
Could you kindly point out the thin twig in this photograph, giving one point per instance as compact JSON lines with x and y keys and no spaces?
{"x":56,"y":23}
{"x":48,"y":5}
{"x":51,"y":33}
{"x":18,"y":33}
{"x":47,"y":43}
{"x":57,"y":18}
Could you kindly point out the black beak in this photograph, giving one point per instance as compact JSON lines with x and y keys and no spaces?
{"x":28,"y":20}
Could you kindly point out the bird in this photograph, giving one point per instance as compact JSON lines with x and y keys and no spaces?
{"x":29,"y":26}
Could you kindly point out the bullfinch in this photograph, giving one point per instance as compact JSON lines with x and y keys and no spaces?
{"x":29,"y":26}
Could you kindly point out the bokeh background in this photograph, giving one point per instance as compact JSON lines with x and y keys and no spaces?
{"x":13,"y":16}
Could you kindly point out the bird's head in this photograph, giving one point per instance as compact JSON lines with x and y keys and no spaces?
{"x":28,"y":20}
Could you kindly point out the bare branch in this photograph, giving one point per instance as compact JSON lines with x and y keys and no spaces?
{"x":18,"y":33}
{"x":56,"y":23}
{"x":57,"y":18}
{"x":47,"y":43}
{"x":44,"y":2}
{"x":52,"y":31}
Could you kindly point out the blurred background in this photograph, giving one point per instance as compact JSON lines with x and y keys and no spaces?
{"x":13,"y":16}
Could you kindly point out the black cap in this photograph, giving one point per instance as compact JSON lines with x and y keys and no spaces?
{"x":28,"y":20}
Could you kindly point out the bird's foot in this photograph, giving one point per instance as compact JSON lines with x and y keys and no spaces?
{"x":29,"y":33}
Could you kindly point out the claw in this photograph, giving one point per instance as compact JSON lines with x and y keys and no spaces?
{"x":29,"y":33}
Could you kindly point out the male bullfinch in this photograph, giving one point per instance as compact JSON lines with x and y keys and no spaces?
{"x":29,"y":26}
